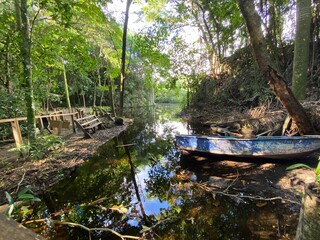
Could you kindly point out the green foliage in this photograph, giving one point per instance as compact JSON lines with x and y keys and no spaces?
{"x":301,"y":165}
{"x":88,"y":39}
{"x":318,"y":172}
{"x":234,"y":88}
{"x":154,"y":9}
{"x":43,"y":145}
{"x":16,"y":107}
{"x":298,"y":165}
{"x":225,"y":22}
{"x":171,"y":91}
{"x":25,"y":195}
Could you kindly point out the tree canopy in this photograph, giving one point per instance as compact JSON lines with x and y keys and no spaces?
{"x":171,"y":44}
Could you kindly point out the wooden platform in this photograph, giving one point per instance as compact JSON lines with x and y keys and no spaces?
{"x":89,"y":123}
{"x":10,"y":229}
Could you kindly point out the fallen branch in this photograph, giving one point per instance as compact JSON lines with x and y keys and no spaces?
{"x":20,"y":182}
{"x":71,"y":224}
{"x":233,"y":182}
{"x":205,"y":187}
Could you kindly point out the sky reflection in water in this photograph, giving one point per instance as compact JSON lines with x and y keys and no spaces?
{"x":172,"y":204}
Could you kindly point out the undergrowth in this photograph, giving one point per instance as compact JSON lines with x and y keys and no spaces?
{"x":41,"y":148}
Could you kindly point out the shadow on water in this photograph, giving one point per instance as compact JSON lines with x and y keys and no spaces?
{"x":138,"y":184}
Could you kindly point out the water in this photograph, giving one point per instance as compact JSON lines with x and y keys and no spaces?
{"x":138,"y":184}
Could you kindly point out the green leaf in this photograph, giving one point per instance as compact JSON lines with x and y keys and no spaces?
{"x":145,"y":228}
{"x":27,"y":196}
{"x":124,"y":216}
{"x":10,"y":210}
{"x":36,"y":199}
{"x":26,"y":189}
{"x":9,"y":198}
{"x":103,"y":88}
{"x":177,"y":209}
{"x":297,"y":165}
{"x":318,"y":170}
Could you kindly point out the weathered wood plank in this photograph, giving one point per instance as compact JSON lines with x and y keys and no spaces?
{"x":89,"y":123}
{"x":10,"y":229}
{"x":16,"y":133}
{"x":25,"y":118}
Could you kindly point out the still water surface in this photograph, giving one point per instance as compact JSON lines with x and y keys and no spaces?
{"x":138,"y":184}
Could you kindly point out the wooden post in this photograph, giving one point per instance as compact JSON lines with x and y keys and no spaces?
{"x":41,"y":123}
{"x":73,"y":125}
{"x":16,"y":132}
{"x":59,"y":127}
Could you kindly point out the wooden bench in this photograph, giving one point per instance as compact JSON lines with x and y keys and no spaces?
{"x":99,"y":111}
{"x":89,"y":123}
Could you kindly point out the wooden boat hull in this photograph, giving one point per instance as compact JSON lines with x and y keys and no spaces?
{"x":260,"y":147}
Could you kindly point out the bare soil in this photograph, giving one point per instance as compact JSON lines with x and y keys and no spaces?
{"x":41,"y":174}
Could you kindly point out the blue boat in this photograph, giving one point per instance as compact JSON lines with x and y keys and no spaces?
{"x":276,"y":147}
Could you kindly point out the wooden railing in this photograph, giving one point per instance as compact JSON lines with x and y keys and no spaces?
{"x":54,"y":116}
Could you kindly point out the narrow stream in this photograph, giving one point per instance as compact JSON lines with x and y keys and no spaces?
{"x":138,"y":184}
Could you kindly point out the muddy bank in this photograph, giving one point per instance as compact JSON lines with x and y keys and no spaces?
{"x":266,"y":176}
{"x":41,"y":174}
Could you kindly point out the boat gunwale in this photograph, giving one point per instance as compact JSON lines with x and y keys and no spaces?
{"x":259,"y":138}
{"x":263,"y":156}
{"x":286,"y":140}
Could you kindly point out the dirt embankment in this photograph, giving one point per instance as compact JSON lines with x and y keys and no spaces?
{"x":263,"y":176}
{"x":41,"y":174}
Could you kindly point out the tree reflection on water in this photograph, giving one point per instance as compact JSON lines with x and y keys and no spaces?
{"x":144,"y":190}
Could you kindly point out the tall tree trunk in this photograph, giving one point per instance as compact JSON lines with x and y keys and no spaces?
{"x":315,"y":44}
{"x":152,"y":97}
{"x":113,"y":109}
{"x":48,"y":89}
{"x":94,"y":93}
{"x":78,"y":98}
{"x":7,"y":77}
{"x":276,"y":82}
{"x":66,"y":87}
{"x":21,"y":8}
{"x":301,"y":49}
{"x":309,"y":224}
{"x":123,"y":56}
{"x":84,"y":100}
{"x":102,"y":91}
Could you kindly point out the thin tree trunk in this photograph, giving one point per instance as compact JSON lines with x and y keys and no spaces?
{"x":7,"y":68}
{"x":102,"y":91}
{"x":152,"y":97}
{"x":276,"y":82}
{"x":84,"y":100}
{"x":315,"y":43}
{"x":94,"y":92}
{"x":301,"y":49}
{"x":113,"y":109}
{"x":66,"y":87}
{"x":123,"y":57}
{"x":21,"y":8}
{"x":210,"y":45}
{"x":48,"y":89}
